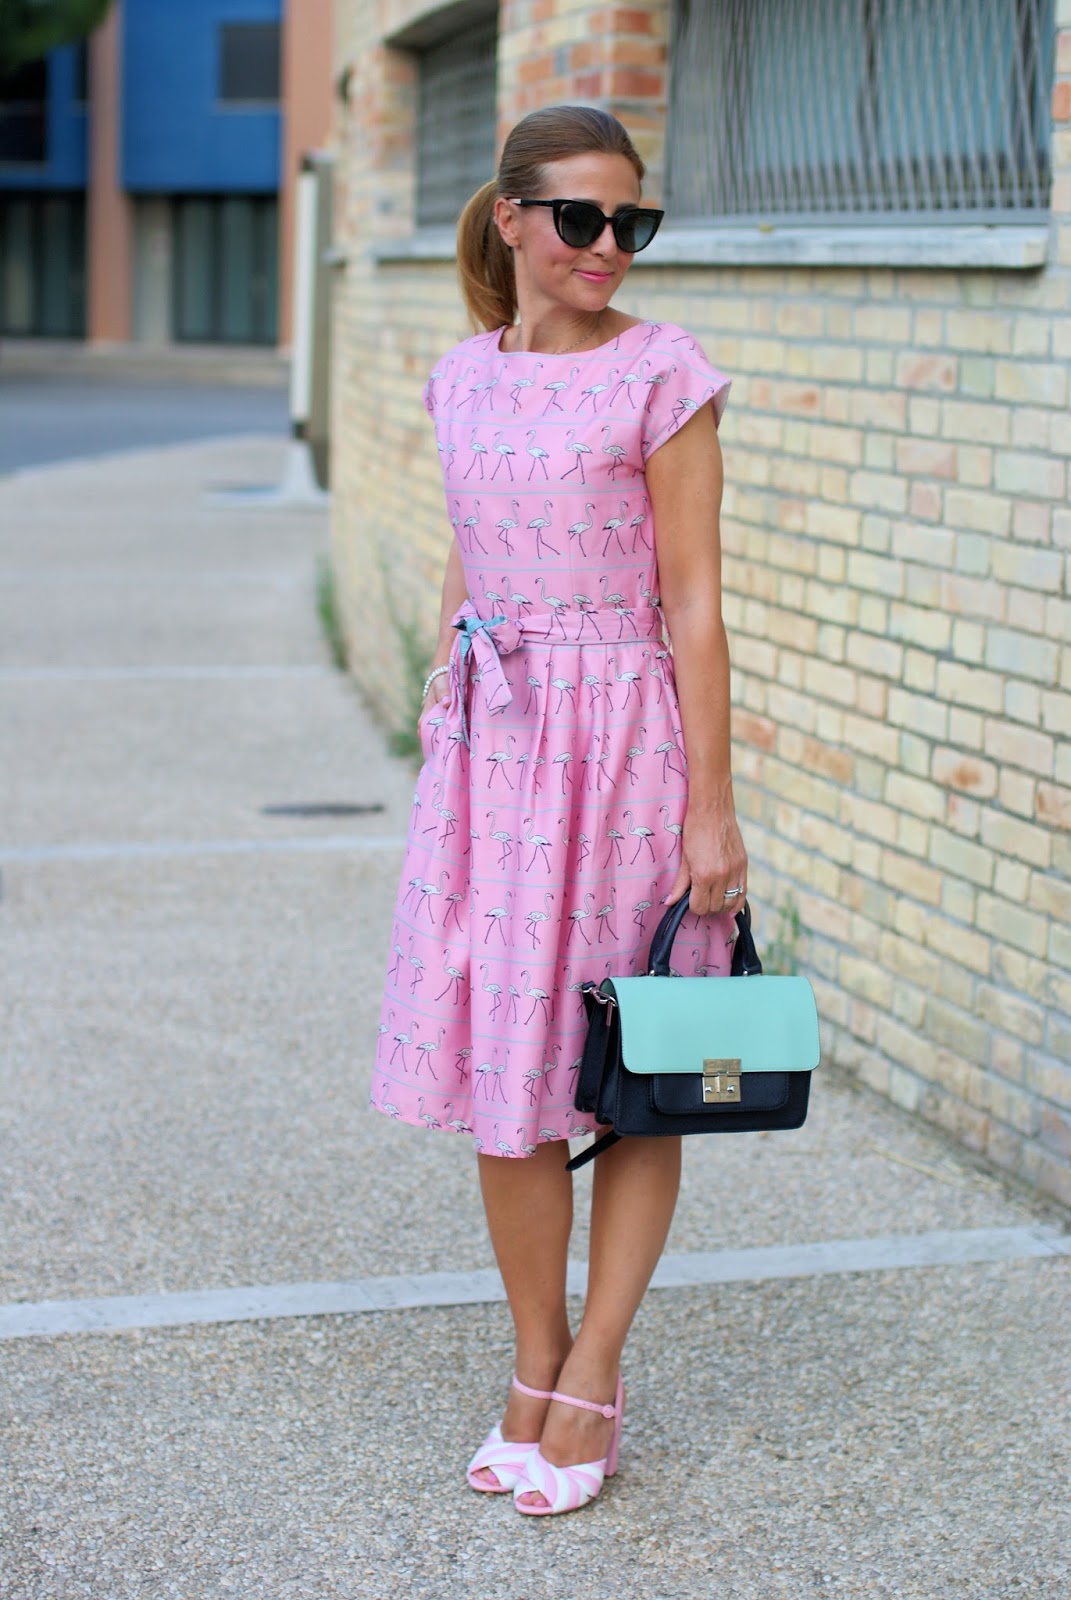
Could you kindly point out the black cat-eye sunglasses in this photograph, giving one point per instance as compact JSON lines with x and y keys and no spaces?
{"x":578,"y":223}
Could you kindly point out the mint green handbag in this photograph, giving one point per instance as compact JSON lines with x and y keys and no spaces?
{"x":672,"y":1055}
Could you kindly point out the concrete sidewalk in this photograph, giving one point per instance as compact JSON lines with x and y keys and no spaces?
{"x":853,"y":1381}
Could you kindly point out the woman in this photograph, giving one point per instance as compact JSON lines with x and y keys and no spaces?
{"x":556,"y":813}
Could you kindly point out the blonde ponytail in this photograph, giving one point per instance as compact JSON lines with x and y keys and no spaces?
{"x":553,"y":133}
{"x":484,"y":263}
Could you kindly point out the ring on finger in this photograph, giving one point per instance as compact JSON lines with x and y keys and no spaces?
{"x":731,"y":894}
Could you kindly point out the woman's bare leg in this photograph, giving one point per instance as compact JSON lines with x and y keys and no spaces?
{"x":529,"y":1206}
{"x":633,"y":1200}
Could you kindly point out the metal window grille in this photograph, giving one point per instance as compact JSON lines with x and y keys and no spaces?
{"x":885,"y":109}
{"x":249,"y":62}
{"x":456,"y":120}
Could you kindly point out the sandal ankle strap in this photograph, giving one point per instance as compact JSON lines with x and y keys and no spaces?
{"x":585,"y":1405}
{"x":536,"y":1394}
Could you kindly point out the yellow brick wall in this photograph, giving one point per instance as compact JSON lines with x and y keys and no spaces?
{"x":897,"y":536}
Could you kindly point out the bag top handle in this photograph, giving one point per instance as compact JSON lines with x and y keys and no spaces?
{"x":746,"y":961}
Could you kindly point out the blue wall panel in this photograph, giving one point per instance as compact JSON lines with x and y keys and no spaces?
{"x":66,"y":164}
{"x":177,"y":137}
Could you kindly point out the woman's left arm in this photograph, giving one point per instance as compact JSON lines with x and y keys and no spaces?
{"x":684,"y":480}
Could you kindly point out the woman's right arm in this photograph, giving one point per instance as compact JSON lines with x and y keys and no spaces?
{"x":455,"y":592}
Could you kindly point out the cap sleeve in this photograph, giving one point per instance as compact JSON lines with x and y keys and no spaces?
{"x":681,"y":381}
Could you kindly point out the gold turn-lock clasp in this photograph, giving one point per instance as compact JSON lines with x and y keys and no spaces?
{"x":721,"y":1081}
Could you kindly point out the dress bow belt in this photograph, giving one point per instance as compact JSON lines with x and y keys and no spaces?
{"x":485,"y":640}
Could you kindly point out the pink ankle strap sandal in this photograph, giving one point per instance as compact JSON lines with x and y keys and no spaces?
{"x":505,"y":1458}
{"x":569,"y":1488}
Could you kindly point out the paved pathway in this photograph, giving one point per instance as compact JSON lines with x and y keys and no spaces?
{"x":283,"y":1329}
{"x":56,"y":416}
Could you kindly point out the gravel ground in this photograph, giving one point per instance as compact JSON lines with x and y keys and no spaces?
{"x":886,"y":1436}
{"x":186,"y":1044}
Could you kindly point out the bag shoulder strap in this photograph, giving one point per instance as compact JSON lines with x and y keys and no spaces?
{"x":592,"y":1151}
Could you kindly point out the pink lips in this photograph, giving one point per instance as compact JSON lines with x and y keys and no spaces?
{"x":595,"y":277}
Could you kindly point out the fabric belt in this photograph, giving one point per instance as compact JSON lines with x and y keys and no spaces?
{"x":485,"y":640}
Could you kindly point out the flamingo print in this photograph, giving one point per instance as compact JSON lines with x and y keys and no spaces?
{"x":417,"y":964}
{"x":539,"y":523}
{"x":637,"y":525}
{"x":497,"y":916}
{"x":401,"y":1040}
{"x":628,"y":381}
{"x":578,"y":917}
{"x":428,"y":890}
{"x":499,"y":758}
{"x":505,"y":525}
{"x":612,"y":528}
{"x":564,"y":687}
{"x":504,"y":452}
{"x":539,"y":843}
{"x":603,"y":915}
{"x":633,"y":753}
{"x":668,"y":748}
{"x":657,"y":381}
{"x":521,"y":385}
{"x":557,"y":388}
{"x":586,"y":606}
{"x":594,"y":390}
{"x":578,"y":449}
{"x":579,"y":528}
{"x":504,"y":837}
{"x":642,"y":833}
{"x":493,"y":989}
{"x":539,"y":456}
{"x":446,"y":816}
{"x":629,"y":676}
{"x":616,"y":452}
{"x":555,"y":602}
{"x":471,"y":522}
{"x":670,"y":827}
{"x":533,"y":919}
{"x":642,"y":906}
{"x":455,"y":977}
{"x":427,"y":1048}
{"x":426,"y":1116}
{"x":538,"y":997}
{"x":479,"y":450}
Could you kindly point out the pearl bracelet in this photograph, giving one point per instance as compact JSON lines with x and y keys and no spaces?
{"x":436,"y":672}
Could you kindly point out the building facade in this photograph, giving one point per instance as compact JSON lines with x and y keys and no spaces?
{"x":146,"y":179}
{"x":870,"y":230}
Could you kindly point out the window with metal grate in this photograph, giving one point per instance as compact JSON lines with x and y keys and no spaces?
{"x":860,"y":110}
{"x":456,"y":119}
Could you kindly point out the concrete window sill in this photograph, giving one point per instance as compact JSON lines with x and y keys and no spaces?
{"x":1012,"y":247}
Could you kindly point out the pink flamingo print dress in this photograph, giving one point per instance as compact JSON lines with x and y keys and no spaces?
{"x":545,"y":828}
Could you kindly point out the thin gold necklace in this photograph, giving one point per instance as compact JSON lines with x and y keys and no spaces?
{"x":576,"y":343}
